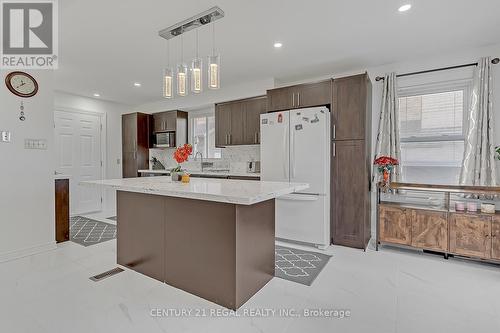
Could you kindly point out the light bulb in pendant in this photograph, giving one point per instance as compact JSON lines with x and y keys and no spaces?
{"x":167,"y":83}
{"x":196,"y":76}
{"x":214,"y":72}
{"x":182,"y":80}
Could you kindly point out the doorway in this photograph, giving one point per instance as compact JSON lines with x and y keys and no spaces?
{"x":79,"y":154}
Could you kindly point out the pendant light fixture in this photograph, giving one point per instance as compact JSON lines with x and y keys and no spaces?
{"x":182,"y":73}
{"x":213,"y":65}
{"x":196,"y":71}
{"x":194,"y":78}
{"x":168,"y":76}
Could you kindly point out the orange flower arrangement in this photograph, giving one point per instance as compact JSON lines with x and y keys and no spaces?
{"x":182,"y":153}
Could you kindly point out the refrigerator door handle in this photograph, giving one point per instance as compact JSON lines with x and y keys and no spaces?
{"x":285,"y":134}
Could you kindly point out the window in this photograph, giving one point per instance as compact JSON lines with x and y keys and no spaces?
{"x":203,"y":136}
{"x":432,"y":132}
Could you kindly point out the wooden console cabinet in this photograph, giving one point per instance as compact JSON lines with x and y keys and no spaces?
{"x":472,"y":235}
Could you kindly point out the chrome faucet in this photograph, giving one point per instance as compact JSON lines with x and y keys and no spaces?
{"x":201,"y":156}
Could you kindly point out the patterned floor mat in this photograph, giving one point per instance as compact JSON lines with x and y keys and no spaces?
{"x":298,"y":265}
{"x":86,"y":232}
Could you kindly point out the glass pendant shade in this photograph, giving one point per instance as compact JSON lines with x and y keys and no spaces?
{"x":196,"y":76}
{"x":182,"y":77}
{"x":168,"y":79}
{"x":214,"y":72}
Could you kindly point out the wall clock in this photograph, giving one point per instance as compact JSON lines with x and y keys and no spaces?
{"x":21,"y":84}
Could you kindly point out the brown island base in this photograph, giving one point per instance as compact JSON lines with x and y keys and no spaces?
{"x":213,"y":238}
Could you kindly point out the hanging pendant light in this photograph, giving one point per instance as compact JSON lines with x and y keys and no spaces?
{"x":168,"y":76}
{"x":213,"y":65}
{"x":196,"y":71}
{"x":182,"y":73}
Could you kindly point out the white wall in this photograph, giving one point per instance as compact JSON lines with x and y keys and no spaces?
{"x":112,"y":111}
{"x":26,"y":176}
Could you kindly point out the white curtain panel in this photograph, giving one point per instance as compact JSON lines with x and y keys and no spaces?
{"x":478,"y":167}
{"x":388,"y":143}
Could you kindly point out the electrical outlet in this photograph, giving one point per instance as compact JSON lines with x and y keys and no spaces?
{"x":5,"y":136}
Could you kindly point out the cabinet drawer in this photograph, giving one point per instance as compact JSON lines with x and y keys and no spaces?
{"x":429,"y":230}
{"x":495,"y":238}
{"x":394,"y":225}
{"x":470,"y":235}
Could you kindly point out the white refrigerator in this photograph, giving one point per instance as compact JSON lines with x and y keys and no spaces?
{"x":295,"y":147}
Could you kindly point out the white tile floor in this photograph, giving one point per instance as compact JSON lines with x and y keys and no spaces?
{"x":386,"y":291}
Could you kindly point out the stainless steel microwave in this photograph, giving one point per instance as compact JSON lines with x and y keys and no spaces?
{"x":164,"y":140}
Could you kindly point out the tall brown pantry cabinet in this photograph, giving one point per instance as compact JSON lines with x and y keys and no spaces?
{"x":350,"y":206}
{"x":135,"y":143}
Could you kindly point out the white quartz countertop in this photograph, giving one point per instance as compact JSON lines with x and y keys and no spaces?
{"x":241,"y":192}
{"x":208,"y":173}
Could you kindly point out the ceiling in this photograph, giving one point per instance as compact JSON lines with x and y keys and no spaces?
{"x":106,"y":46}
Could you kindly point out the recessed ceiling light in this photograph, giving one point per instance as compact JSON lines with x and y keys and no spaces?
{"x":278,"y":45}
{"x":97,"y":95}
{"x":137,"y":84}
{"x":404,"y":8}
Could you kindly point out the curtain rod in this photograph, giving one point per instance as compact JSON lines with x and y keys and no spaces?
{"x":494,"y":61}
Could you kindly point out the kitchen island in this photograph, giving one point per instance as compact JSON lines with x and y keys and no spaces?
{"x":213,"y":238}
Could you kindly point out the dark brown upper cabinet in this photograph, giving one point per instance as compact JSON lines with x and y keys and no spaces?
{"x":166,"y":121}
{"x":351,"y":100}
{"x":170,"y":121}
{"x":253,"y":109}
{"x":300,"y":96}
{"x":135,"y":143}
{"x":238,"y":122}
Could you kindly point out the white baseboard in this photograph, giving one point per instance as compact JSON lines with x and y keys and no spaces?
{"x":12,"y":255}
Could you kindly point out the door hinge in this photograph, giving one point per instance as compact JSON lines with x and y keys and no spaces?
{"x":101,"y":127}
{"x":101,"y":163}
{"x":101,"y":199}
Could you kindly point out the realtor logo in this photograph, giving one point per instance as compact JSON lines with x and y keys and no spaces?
{"x":29,"y":34}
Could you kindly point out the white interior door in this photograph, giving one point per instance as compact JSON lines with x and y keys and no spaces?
{"x":310,"y":149}
{"x":78,"y":154}
{"x":274,"y":146}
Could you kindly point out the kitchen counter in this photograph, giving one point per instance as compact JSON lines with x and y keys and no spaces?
{"x":205,"y":173}
{"x":241,"y":192}
{"x":61,"y":176}
{"x":213,"y":238}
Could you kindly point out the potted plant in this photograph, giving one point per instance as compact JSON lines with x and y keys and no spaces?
{"x":385,"y":166}
{"x":497,"y":150}
{"x":181,"y":155}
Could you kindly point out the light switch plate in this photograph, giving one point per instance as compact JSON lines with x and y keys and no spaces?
{"x":5,"y":136}
{"x":35,"y":144}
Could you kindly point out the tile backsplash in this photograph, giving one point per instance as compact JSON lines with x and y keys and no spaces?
{"x":233,"y":159}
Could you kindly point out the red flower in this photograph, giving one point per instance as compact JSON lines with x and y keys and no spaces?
{"x":385,"y":161}
{"x":181,"y":154}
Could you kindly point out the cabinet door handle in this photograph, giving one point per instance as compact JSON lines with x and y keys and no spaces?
{"x":334,"y":149}
{"x":255,"y":137}
{"x":298,"y":99}
{"x":226,"y":138}
{"x":293,"y":99}
{"x":334,"y":131}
